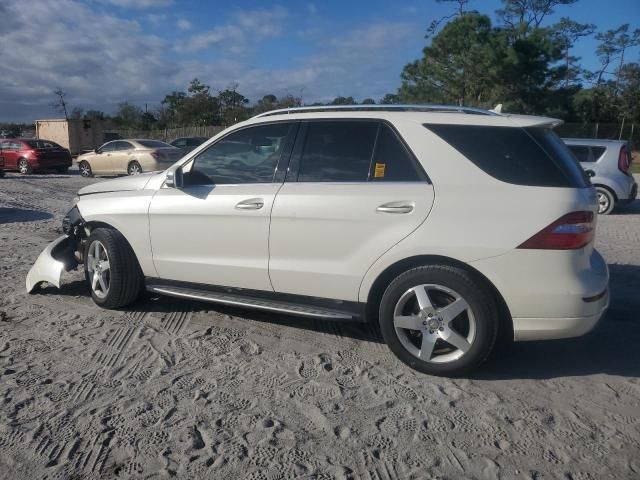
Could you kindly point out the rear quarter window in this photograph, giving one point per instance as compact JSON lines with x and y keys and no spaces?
{"x":521,"y":156}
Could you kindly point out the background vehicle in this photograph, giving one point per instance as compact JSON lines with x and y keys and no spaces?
{"x":186,"y":144}
{"x":376,"y":214}
{"x":29,"y":155}
{"x":129,"y":156}
{"x":608,"y":162}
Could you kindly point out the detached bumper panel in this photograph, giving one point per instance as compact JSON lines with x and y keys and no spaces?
{"x":54,"y":259}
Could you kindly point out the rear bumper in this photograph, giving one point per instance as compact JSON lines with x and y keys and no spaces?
{"x":632,"y":195}
{"x":550,"y":328}
{"x":550,"y":294}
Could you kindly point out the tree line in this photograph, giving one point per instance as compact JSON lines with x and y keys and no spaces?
{"x":520,"y":60}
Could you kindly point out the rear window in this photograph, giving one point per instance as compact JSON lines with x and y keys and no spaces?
{"x":42,"y":144}
{"x":586,"y":153}
{"x":523,"y":156}
{"x":154,"y":144}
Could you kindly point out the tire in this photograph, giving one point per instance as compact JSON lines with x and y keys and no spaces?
{"x":85,"y":169}
{"x":23,"y":167}
{"x":120,"y":282}
{"x":606,"y":200}
{"x":62,"y":170}
{"x":426,"y":347}
{"x":134,"y":168}
{"x":2,"y":174}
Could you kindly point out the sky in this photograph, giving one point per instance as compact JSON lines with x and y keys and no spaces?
{"x":103,"y":52}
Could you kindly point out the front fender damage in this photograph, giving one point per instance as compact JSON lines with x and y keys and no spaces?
{"x":61,"y":255}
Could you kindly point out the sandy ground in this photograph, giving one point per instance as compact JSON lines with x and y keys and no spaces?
{"x":191,"y":390}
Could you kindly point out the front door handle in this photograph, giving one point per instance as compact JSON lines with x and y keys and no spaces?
{"x":396,"y":207}
{"x":250,"y":204}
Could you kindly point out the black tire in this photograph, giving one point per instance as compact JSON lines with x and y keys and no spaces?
{"x":85,"y":169}
{"x":2,"y":173}
{"x":606,"y":200}
{"x":62,"y":170}
{"x":125,"y":277}
{"x":23,"y":167}
{"x":134,"y":168}
{"x":480,"y":302}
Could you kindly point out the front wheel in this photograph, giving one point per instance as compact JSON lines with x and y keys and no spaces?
{"x":606,"y":201}
{"x":439,"y":320}
{"x":85,"y":169}
{"x":23,"y":166}
{"x":111,"y":268}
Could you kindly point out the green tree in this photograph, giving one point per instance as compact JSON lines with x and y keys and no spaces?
{"x":521,"y":17}
{"x":568,"y":32}
{"x":343,"y":101}
{"x":459,"y":65}
{"x":368,"y":101}
{"x":128,"y":115}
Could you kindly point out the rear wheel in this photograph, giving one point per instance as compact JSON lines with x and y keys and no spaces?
{"x":23,"y":166}
{"x":134,"y":168}
{"x":606,"y":200}
{"x":85,"y":169}
{"x":111,"y":268}
{"x":439,"y":320}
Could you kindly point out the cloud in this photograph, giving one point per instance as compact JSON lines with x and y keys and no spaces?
{"x":245,"y":28}
{"x":183,"y":24}
{"x":140,"y":4}
{"x":101,"y":59}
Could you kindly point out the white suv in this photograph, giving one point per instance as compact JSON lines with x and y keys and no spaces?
{"x":450,"y":227}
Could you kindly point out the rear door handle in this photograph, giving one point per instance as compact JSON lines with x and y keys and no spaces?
{"x":395,"y":207}
{"x":250,"y":204}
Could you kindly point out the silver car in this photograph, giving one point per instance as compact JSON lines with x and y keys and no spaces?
{"x":608,"y":163}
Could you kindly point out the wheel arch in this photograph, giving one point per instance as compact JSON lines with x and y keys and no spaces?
{"x":379,"y":285}
{"x":94,"y":224}
{"x":611,"y":190}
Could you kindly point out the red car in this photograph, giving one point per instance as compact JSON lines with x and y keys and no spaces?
{"x":28,"y":155}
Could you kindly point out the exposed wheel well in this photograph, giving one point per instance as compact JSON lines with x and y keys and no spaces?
{"x":96,"y":224}
{"x":133,"y":161}
{"x":505,"y":333}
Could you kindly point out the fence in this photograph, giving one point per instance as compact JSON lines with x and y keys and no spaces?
{"x":615,"y":131}
{"x":169,"y":134}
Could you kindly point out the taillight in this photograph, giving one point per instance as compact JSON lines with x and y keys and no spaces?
{"x":570,"y":232}
{"x":624,"y":160}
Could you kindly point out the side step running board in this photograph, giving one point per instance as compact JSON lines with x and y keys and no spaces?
{"x":252,"y":302}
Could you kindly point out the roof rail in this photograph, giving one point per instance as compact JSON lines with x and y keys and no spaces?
{"x":378,"y":108}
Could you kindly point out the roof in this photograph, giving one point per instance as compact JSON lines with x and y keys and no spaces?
{"x":446,"y":114}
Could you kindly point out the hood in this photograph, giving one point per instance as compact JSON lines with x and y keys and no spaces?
{"x":135,"y":182}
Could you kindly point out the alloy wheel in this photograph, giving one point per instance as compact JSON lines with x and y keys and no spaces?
{"x":23,"y":166}
{"x":434,"y":323}
{"x":99,"y":268}
{"x":85,"y":169}
{"x":135,"y":169}
{"x":603,"y":202}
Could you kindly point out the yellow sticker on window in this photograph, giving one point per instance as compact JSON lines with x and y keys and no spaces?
{"x":378,"y":171}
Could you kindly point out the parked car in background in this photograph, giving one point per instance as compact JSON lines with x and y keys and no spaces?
{"x":375,"y":213}
{"x":608,"y":163}
{"x":186,"y":144}
{"x":29,"y":155}
{"x":130,"y":156}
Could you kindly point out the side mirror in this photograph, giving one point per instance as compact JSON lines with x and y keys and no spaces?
{"x":175,"y":178}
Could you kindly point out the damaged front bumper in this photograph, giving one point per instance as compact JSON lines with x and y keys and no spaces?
{"x":56,"y":258}
{"x":60,"y":255}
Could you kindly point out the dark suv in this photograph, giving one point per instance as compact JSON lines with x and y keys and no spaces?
{"x":29,"y":155}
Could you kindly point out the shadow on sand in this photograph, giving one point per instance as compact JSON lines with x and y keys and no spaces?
{"x":613,"y":347}
{"x":20,"y":215}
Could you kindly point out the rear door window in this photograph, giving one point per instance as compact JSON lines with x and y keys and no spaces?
{"x":523,"y":156}
{"x":338,"y":151}
{"x":392,"y":161}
